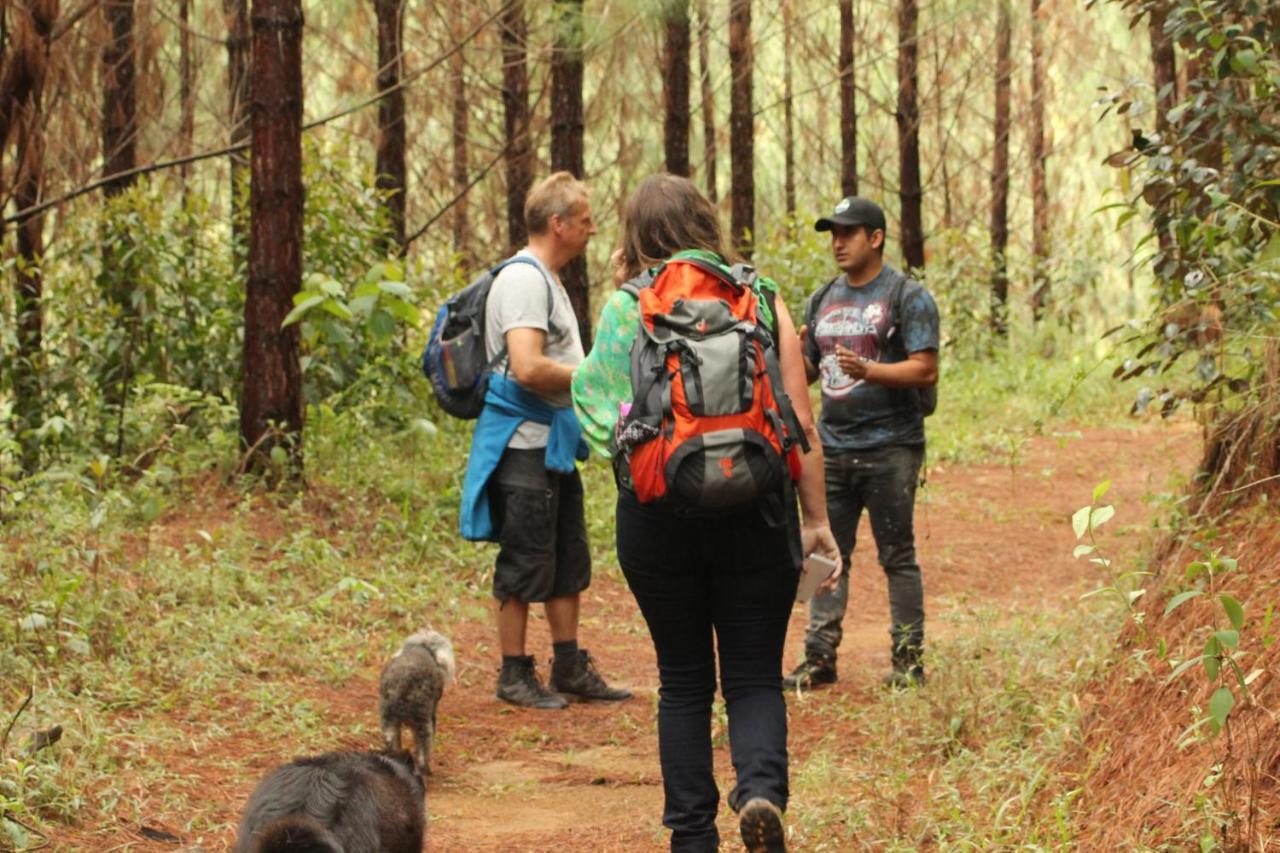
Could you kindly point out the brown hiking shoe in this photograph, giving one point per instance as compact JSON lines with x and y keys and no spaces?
{"x":760,"y":823}
{"x":519,"y":684}
{"x":581,"y":682}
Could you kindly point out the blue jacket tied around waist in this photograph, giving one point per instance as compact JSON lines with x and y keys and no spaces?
{"x":506,"y":406}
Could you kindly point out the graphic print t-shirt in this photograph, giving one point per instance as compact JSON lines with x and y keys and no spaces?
{"x":858,"y":415}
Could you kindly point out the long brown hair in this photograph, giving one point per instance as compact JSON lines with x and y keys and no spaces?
{"x":665,"y":215}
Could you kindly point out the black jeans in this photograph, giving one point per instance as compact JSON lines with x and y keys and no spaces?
{"x":703,"y":584}
{"x":882,"y":480}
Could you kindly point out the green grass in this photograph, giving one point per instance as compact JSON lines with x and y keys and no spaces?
{"x":134,"y":601}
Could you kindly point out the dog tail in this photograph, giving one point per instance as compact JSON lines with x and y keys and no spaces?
{"x":296,"y":833}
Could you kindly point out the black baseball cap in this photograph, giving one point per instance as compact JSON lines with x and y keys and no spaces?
{"x":853,"y":210}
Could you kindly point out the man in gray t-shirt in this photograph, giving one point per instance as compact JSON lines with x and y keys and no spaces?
{"x":871,"y":336}
{"x":543,"y":555}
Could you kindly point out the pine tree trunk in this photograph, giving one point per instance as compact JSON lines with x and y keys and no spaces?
{"x":1165,"y":79}
{"x":186,"y":92}
{"x":391,"y":171}
{"x":461,"y":167}
{"x":24,"y":76}
{"x":119,"y":155}
{"x":1039,"y":192}
{"x":515,"y":102}
{"x":1000,"y":173}
{"x":271,"y":404}
{"x":675,"y":90}
{"x":741,"y":128}
{"x":788,"y":119}
{"x":119,"y":98}
{"x":708,"y":103}
{"x":908,"y":117}
{"x":567,"y":126}
{"x":236,"y":13}
{"x":848,"y":103}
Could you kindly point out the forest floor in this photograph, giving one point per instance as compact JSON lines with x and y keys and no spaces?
{"x":587,"y":778}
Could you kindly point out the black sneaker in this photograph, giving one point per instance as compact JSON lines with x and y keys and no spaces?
{"x":814,"y":671}
{"x":581,"y":681}
{"x":905,"y":677}
{"x":760,"y":823}
{"x":518,"y":684}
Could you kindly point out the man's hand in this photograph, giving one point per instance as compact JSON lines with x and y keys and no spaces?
{"x":851,"y":364}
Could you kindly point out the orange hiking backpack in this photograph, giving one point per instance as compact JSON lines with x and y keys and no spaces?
{"x":710,"y":426}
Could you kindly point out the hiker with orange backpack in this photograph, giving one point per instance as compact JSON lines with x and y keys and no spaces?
{"x":871,"y":337}
{"x":695,"y":387}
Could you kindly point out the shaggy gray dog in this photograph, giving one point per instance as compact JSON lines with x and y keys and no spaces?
{"x":411,"y":685}
{"x":339,"y":802}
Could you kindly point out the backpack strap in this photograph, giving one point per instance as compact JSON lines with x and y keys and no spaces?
{"x":773,"y":366}
{"x":892,"y":329}
{"x":552,"y":328}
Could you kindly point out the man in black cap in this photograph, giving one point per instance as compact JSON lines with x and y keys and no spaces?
{"x":871,"y":336}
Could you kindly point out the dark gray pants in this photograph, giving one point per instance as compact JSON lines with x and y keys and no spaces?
{"x":883,"y":481}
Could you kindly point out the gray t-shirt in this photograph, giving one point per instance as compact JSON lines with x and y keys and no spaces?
{"x":518,"y":300}
{"x":859,"y":415}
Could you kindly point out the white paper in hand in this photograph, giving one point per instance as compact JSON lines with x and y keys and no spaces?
{"x":817,"y":568}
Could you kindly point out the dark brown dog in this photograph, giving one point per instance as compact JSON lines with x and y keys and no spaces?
{"x":339,"y":802}
{"x":410,"y":688}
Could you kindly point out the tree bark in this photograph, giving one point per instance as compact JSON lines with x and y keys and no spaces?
{"x":741,"y":128}
{"x":461,"y":167}
{"x":1164,"y":67}
{"x":391,"y":172}
{"x":271,"y":404}
{"x":708,"y":103}
{"x":186,"y":93}
{"x":515,"y":102}
{"x":1000,"y":173}
{"x":27,"y":59}
{"x":1039,"y":191}
{"x":236,"y":13}
{"x":908,"y":118}
{"x":848,"y":103}
{"x":788,"y":114}
{"x":567,"y":126}
{"x":119,"y":98}
{"x":675,"y":90}
{"x":1165,"y":80}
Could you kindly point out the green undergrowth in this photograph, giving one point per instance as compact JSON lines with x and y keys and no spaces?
{"x":165,"y":610}
{"x":968,"y":762}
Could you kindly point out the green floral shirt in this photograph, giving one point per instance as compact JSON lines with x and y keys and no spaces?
{"x":602,"y":382}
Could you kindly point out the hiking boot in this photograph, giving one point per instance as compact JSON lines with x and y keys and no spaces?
{"x":814,"y":671}
{"x":580,"y":681}
{"x":518,"y":684}
{"x":760,"y":823}
{"x":906,"y":673}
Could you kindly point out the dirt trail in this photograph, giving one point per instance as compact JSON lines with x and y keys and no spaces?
{"x":588,"y":778}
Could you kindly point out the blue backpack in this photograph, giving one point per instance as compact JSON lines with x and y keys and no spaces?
{"x":454,"y":359}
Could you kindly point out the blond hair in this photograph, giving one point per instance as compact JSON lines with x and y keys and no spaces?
{"x":558,"y":194}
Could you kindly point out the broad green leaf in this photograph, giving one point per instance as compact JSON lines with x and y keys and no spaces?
{"x":1081,"y":550}
{"x":1234,"y":611}
{"x":395,"y":288}
{"x":1180,"y":599}
{"x":1229,"y":639}
{"x":1080,"y":521}
{"x":302,"y":308}
{"x":406,"y":312}
{"x":1220,"y":705}
{"x":1100,"y":490}
{"x":336,"y":308}
{"x":1212,"y":665}
{"x":1101,"y":516}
